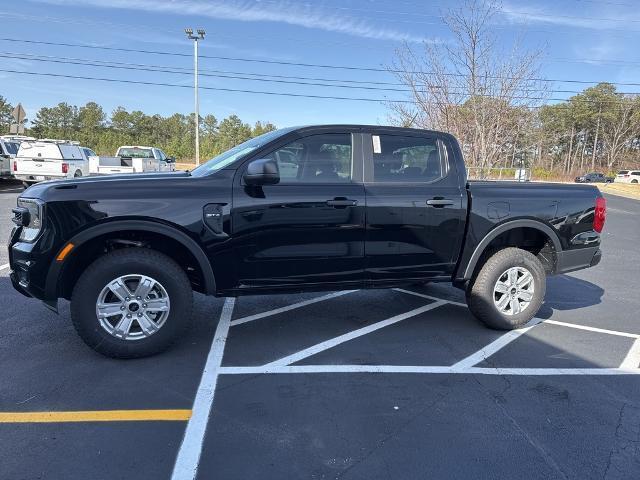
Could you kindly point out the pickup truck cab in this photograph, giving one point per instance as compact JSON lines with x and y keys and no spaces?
{"x":48,"y":159}
{"x":133,"y":159}
{"x":298,"y":209}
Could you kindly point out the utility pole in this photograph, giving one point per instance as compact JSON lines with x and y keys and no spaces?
{"x":595,"y":141}
{"x":198,"y":36}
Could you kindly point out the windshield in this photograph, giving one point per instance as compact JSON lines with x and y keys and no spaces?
{"x":227,"y":158}
{"x":135,"y":152}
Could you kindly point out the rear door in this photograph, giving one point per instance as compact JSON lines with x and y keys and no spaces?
{"x":415,"y":207}
{"x":309,"y":228}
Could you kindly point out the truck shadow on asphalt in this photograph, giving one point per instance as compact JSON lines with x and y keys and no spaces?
{"x":10,"y":186}
{"x":569,"y":293}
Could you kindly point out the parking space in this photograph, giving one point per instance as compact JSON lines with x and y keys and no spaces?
{"x":398,"y":383}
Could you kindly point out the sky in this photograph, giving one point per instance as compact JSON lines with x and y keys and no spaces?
{"x":588,"y":40}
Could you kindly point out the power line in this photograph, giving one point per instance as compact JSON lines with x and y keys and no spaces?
{"x":189,"y":69}
{"x":297,"y":64}
{"x":283,"y":94}
{"x":162,"y":84}
{"x":243,"y":75}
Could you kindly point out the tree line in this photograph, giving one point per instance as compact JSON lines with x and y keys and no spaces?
{"x":174,"y":134}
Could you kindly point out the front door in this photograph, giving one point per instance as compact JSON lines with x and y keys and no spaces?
{"x":415,"y":209}
{"x":309,"y":228}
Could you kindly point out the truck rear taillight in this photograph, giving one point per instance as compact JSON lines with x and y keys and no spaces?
{"x":15,"y":166}
{"x":600,"y":214}
{"x":65,"y":168}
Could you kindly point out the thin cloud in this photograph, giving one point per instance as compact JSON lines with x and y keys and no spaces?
{"x":532,"y":15}
{"x":272,"y":11}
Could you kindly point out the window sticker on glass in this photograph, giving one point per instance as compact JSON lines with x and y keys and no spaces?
{"x":376,"y":144}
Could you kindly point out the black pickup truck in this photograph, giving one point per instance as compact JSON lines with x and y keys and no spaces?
{"x":298,"y":209}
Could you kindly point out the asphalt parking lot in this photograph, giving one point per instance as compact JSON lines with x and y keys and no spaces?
{"x":397,"y":384}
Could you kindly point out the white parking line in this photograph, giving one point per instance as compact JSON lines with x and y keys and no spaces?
{"x":494,"y":346}
{"x":423,"y":369}
{"x":632,"y":360}
{"x":593,"y":329}
{"x":250,"y":318}
{"x":2,"y":267}
{"x":307,"y":352}
{"x":186,"y":466}
{"x":402,"y":290}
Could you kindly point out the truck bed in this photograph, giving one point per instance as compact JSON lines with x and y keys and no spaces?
{"x":567,"y":209}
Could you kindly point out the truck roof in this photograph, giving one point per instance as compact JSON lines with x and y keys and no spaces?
{"x":135,"y":146}
{"x":357,"y":127}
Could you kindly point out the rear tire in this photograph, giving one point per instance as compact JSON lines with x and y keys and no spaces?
{"x":500,"y":295}
{"x":634,"y":181}
{"x":77,"y":174}
{"x":128,"y":327}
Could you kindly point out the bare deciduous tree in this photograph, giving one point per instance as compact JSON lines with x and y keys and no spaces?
{"x":469,"y":86}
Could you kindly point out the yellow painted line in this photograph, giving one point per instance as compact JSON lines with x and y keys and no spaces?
{"x":96,"y":416}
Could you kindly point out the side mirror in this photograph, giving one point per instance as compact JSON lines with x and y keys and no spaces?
{"x":262,"y":172}
{"x":170,"y":159}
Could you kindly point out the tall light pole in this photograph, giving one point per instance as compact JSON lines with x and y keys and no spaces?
{"x":198,"y":36}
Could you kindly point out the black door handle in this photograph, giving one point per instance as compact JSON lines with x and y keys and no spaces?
{"x":342,"y":202}
{"x":439,"y":202}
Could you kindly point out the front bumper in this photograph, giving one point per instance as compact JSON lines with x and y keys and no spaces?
{"x":29,"y":270}
{"x":39,"y":178}
{"x":577,"y":259}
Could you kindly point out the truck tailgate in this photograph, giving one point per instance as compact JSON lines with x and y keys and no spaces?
{"x":38,"y":167}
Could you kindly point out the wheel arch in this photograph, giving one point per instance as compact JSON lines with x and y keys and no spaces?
{"x":507,"y":229}
{"x":57,"y":277}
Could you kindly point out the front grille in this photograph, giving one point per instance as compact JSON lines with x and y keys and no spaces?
{"x":20,"y":216}
{"x":17,"y":218}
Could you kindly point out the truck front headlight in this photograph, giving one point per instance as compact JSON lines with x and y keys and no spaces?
{"x":30,"y":212}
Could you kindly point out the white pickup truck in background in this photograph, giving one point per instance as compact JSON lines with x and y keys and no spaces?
{"x":48,"y":159}
{"x":132,"y":159}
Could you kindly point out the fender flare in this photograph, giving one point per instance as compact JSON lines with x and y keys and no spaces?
{"x":500,"y":229}
{"x":53,"y":276}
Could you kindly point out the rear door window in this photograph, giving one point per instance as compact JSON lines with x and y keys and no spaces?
{"x":404,"y":159}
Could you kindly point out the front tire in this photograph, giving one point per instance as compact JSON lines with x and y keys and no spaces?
{"x":508,"y":290}
{"x":131,"y":303}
